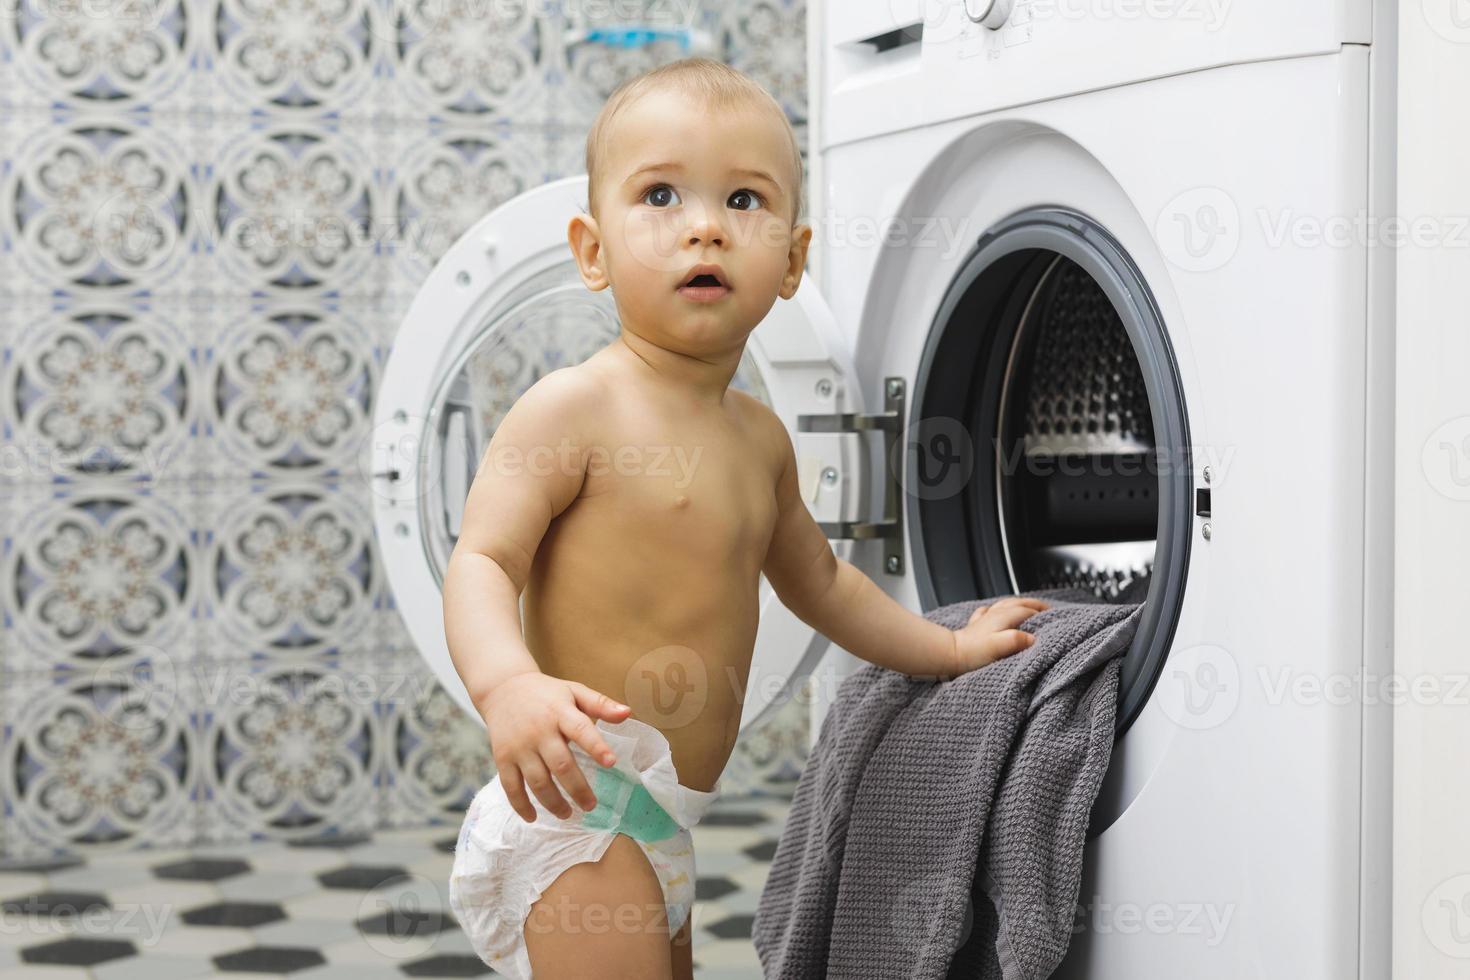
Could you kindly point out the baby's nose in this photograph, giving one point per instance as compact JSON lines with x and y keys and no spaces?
{"x":704,"y":224}
{"x":705,"y":230}
{"x":706,"y":233}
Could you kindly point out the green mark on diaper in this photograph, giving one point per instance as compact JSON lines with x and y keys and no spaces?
{"x":643,"y":819}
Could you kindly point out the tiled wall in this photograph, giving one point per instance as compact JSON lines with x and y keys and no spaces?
{"x":208,"y":221}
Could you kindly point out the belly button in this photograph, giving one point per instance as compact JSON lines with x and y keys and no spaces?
{"x":681,"y":501}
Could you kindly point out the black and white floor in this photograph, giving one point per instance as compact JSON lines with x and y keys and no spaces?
{"x":350,"y":907}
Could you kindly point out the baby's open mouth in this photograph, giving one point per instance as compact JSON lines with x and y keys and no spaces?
{"x":705,"y":283}
{"x":705,"y":275}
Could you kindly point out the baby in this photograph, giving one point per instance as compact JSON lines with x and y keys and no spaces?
{"x":635,"y":499}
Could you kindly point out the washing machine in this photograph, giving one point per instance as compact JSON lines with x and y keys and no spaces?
{"x":1084,"y":307}
{"x":1119,"y":234}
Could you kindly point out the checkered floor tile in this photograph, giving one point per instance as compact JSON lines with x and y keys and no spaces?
{"x":349,"y":907}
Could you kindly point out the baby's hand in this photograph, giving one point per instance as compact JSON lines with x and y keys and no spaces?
{"x":991,"y":632}
{"x":530,"y":717}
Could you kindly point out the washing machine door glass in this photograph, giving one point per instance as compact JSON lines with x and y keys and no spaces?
{"x":504,"y":307}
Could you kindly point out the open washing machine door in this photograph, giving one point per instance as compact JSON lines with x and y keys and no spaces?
{"x":1049,"y":346}
{"x":505,"y":306}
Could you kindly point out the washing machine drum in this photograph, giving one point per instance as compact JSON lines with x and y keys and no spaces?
{"x":1049,"y":352}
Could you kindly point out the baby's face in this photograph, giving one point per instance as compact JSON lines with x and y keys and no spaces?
{"x":679,"y":188}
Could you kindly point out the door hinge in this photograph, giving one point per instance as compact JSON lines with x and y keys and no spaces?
{"x":890,"y":422}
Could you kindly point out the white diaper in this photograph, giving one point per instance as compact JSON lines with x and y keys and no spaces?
{"x":502,"y":864}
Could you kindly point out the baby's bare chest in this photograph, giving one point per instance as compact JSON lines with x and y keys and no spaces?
{"x":698,"y":494}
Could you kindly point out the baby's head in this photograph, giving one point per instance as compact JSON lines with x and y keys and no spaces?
{"x":692,"y":164}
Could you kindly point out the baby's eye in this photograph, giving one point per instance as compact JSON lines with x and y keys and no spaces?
{"x":656,"y":188}
{"x":747,"y":192}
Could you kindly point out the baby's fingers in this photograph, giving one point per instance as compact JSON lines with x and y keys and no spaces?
{"x":541,"y":784}
{"x":515,"y":792}
{"x":1009,"y":603}
{"x":554,"y":753}
{"x":1039,"y":605}
{"x":578,"y":728}
{"x":1007,"y":642}
{"x":1004,"y":617}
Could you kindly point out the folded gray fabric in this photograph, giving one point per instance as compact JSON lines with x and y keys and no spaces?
{"x":914,"y":784}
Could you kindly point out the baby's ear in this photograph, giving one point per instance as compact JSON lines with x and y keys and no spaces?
{"x":582,"y":237}
{"x":796,"y":261}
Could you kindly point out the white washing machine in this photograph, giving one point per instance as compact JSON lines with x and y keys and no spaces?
{"x":1085,"y":306}
{"x":1168,"y":196}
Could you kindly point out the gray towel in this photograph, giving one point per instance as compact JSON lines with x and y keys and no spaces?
{"x":874,"y":871}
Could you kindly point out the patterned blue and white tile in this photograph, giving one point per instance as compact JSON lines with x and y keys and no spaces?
{"x":291,"y":209}
{"x":767,"y":41}
{"x":288,"y":569}
{"x":101,"y":393}
{"x":104,"y":205}
{"x":287,"y":749}
{"x":438,"y":179}
{"x":307,"y":61}
{"x":123,"y":57}
{"x":99,"y":577}
{"x":478,"y":66}
{"x":285,"y":390}
{"x":434,"y":756}
{"x":96,"y":762}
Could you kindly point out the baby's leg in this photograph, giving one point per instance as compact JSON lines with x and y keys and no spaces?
{"x":609,"y":913}
{"x":683,"y":952}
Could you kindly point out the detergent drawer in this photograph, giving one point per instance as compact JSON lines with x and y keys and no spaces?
{"x":888,"y":65}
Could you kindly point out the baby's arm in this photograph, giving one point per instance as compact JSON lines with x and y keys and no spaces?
{"x":834,"y":597}
{"x":521,"y":484}
{"x":531,"y":472}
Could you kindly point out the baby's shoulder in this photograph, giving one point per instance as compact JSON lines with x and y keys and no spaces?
{"x":751,"y":408}
{"x":578,"y":385}
{"x":561,"y":402}
{"x":765,"y":427}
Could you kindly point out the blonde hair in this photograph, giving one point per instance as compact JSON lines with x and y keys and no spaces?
{"x":718,"y":84}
